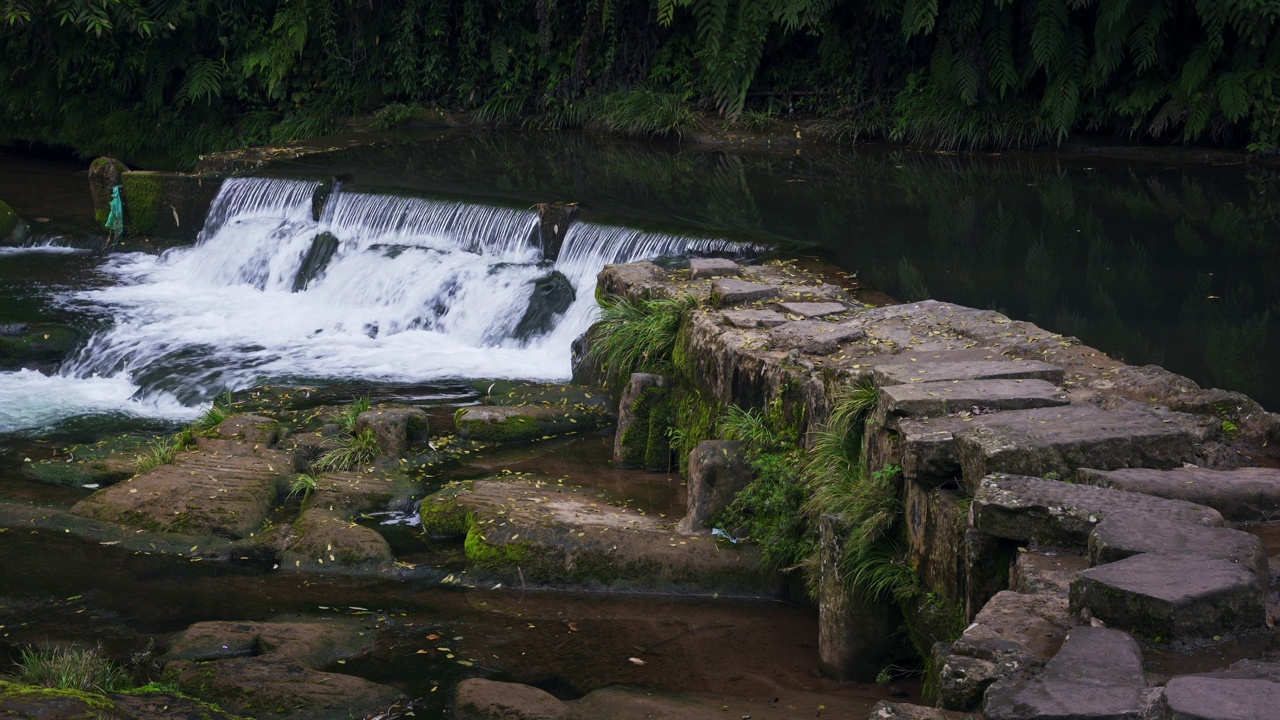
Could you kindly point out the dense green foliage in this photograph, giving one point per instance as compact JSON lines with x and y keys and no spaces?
{"x":138,"y":78}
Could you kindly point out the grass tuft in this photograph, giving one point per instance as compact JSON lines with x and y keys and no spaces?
{"x":352,"y":451}
{"x":637,"y":335}
{"x":72,"y":669}
{"x":303,"y":484}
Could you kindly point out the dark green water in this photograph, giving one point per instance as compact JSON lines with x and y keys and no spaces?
{"x":1164,"y":263}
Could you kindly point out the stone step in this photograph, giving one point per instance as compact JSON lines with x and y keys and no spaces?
{"x":1119,"y":537}
{"x":933,"y":399}
{"x":732,"y":291}
{"x":896,"y":373}
{"x":1052,"y":512}
{"x":1012,"y":637}
{"x":1241,"y":495}
{"x":1206,"y":698}
{"x":1061,"y":440}
{"x":1172,"y":596}
{"x":1097,"y":674}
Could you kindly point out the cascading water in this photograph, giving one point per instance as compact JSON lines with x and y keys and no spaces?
{"x":416,"y":290}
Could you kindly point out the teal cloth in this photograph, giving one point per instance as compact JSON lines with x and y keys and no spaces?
{"x":115,"y":220}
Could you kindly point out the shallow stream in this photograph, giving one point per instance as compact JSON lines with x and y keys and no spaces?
{"x":1150,"y":262}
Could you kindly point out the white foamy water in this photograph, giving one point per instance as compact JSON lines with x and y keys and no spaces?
{"x":29,"y":399}
{"x":418,"y":290}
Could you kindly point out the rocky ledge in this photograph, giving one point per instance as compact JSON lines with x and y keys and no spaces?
{"x":1080,"y":511}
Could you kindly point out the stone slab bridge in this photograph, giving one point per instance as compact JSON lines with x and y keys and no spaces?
{"x":1083,"y":512}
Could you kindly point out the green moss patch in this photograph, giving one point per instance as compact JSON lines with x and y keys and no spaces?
{"x":43,"y":343}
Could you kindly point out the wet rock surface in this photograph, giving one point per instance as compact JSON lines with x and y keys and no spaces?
{"x":525,"y":423}
{"x":932,"y":399}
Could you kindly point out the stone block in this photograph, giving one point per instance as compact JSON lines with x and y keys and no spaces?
{"x":754,"y":318}
{"x":933,"y":399}
{"x":809,"y":310}
{"x":927,"y":448}
{"x":1119,"y":537}
{"x":1060,"y":440}
{"x":1097,"y":674}
{"x":731,"y":291}
{"x":815,"y":337}
{"x":935,"y":523}
{"x":1052,"y":512}
{"x":1011,"y":638}
{"x":856,"y":635}
{"x":554,"y":220}
{"x":896,"y":373}
{"x":718,"y":470}
{"x":1241,"y":495}
{"x":12,"y":228}
{"x":1172,"y":596}
{"x":712,"y":267}
{"x":1040,"y":570}
{"x":396,"y":428}
{"x":1206,"y":698}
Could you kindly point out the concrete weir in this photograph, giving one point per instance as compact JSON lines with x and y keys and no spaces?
{"x":1078,"y":510}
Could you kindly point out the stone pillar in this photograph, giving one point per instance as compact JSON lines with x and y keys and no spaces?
{"x":630,"y":445}
{"x":553,"y":225}
{"x":104,"y":174}
{"x":856,"y":637}
{"x":718,"y":470}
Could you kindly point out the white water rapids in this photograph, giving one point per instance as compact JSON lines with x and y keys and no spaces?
{"x":418,"y":290}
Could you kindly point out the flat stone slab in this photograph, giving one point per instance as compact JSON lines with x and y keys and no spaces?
{"x":222,"y":494}
{"x":931,"y":399}
{"x":1052,"y":512}
{"x":563,"y":536}
{"x":1062,"y":439}
{"x":754,"y":318}
{"x":912,"y":372}
{"x":1044,"y":570}
{"x":526,"y":423}
{"x":928,"y":448}
{"x":1241,"y":495}
{"x":731,"y":291}
{"x":1207,"y":698}
{"x":813,"y":309}
{"x":1097,"y":674}
{"x":814,"y":336}
{"x":1010,"y":638}
{"x":712,"y":267}
{"x":1116,"y":538}
{"x":1172,"y":596}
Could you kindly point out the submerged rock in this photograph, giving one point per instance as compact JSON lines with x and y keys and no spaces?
{"x":12,"y":228}
{"x":36,"y":346}
{"x":259,"y":669}
{"x":552,"y":296}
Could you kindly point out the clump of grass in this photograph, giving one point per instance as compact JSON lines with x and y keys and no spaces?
{"x":352,"y":413}
{"x":352,"y":451}
{"x":303,"y":484}
{"x":160,"y":451}
{"x":647,"y":113}
{"x":637,"y":335}
{"x":392,"y":115}
{"x":72,"y":669}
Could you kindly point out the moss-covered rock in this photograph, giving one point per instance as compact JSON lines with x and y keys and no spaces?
{"x":441,"y":514}
{"x":103,"y":463}
{"x":12,"y":228}
{"x":41,"y":345}
{"x":168,"y":205}
{"x":508,"y":424}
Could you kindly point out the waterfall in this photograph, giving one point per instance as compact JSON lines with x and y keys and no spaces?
{"x":380,"y":288}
